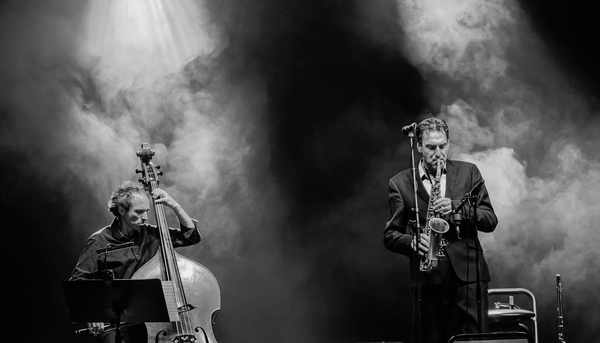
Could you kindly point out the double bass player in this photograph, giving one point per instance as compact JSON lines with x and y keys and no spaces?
{"x":130,"y":204}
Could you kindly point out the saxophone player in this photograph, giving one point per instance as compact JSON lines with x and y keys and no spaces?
{"x":446,"y":296}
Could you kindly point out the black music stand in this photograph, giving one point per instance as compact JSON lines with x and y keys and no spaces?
{"x":116,"y":301}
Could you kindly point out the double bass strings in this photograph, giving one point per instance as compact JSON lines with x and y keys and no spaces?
{"x":171,"y":269}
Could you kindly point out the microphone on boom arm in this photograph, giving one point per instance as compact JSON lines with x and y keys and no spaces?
{"x":108,"y":274}
{"x":456,"y":214}
{"x":409,"y":128}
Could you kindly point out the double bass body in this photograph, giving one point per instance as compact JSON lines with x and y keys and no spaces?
{"x":202,"y":292}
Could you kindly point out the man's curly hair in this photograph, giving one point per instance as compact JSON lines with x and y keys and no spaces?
{"x":122,"y":196}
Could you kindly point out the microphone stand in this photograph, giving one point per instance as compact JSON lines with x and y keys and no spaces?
{"x":108,"y":274}
{"x":471,"y":198}
{"x":416,"y":233}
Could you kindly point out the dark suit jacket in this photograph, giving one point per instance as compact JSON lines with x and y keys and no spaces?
{"x":460,"y":253}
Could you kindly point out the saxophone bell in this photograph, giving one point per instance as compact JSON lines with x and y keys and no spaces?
{"x":439,"y":225}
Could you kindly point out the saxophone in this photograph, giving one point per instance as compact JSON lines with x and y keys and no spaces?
{"x":434,"y":228}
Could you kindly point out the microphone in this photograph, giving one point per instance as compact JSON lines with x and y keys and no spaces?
{"x":456,"y":219}
{"x":477,"y":187}
{"x":456,"y":215}
{"x":473,"y":193}
{"x":111,"y":247}
{"x":409,"y":128}
{"x":109,"y":274}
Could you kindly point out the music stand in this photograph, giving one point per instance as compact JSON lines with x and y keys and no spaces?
{"x":134,"y":301}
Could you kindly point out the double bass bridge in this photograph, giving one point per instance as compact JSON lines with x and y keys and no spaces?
{"x":185,"y":308}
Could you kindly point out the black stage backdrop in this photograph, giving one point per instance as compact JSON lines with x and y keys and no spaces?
{"x":278,"y":125}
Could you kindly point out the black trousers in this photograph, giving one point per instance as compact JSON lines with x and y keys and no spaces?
{"x":450,"y":308}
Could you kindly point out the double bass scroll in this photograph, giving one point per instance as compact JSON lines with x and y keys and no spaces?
{"x":197,"y":291}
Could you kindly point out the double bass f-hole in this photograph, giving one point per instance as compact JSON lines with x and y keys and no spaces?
{"x":197,"y":292}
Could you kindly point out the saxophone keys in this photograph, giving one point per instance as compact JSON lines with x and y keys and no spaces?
{"x":442,"y":244}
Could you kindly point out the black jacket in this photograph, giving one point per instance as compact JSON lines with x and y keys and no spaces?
{"x":460,"y":179}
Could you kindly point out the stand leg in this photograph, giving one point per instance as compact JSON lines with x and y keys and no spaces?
{"x":118,"y":337}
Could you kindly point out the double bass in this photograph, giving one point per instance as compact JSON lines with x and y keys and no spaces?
{"x":197,"y":292}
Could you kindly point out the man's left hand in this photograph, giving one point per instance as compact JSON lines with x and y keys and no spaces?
{"x":162,"y":197}
{"x":442,"y":206}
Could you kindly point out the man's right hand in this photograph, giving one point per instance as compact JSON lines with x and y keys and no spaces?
{"x":95,"y":328}
{"x":423,"y":244}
